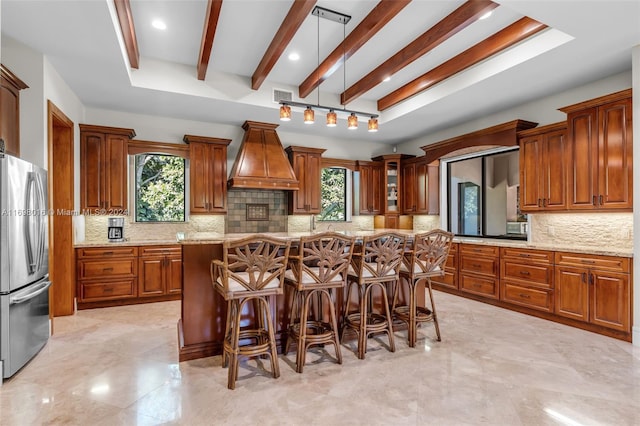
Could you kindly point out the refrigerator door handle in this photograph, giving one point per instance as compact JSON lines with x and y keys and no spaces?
{"x":21,"y":298}
{"x":31,"y":262}
{"x":39,"y":217}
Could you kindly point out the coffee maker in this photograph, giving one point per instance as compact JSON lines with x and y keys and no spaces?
{"x":115,"y":229}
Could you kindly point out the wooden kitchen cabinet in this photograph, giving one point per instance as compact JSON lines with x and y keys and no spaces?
{"x":600,"y":153}
{"x":160,"y":271}
{"x":594,"y":289}
{"x":105,"y":274}
{"x":103,"y":169}
{"x":450,"y":277}
{"x":526,"y":278}
{"x":479,"y":270}
{"x":409,"y":187}
{"x":307,"y":168}
{"x":420,"y":186}
{"x":543,"y":168}
{"x":208,"y":174}
{"x":10,"y":87}
{"x":371,"y":181}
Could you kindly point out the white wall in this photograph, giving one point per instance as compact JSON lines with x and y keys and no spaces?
{"x":636,"y":195}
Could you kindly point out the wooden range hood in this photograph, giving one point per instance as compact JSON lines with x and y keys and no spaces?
{"x":261,"y":162}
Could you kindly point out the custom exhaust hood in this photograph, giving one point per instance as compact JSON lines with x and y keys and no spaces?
{"x":261,"y":162}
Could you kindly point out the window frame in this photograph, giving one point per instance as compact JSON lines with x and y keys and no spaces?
{"x":348,"y":193}
{"x":157,"y":148}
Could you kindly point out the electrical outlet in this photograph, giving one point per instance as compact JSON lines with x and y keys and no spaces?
{"x":625,"y":233}
{"x":551,"y":231}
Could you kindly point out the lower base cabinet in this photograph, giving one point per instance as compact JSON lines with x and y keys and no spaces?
{"x":109,"y":276}
{"x":582,"y":290}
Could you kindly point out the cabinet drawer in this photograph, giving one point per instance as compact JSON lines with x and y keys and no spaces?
{"x":479,"y":265}
{"x":95,"y":291}
{"x":173,"y":250}
{"x":526,"y":296}
{"x":528,"y":255}
{"x":106,"y":252}
{"x":88,"y":269}
{"x":479,"y":249}
{"x":541,"y":275}
{"x":452,"y":261}
{"x":607,"y":263}
{"x":487,"y":287}
{"x":447,"y":280}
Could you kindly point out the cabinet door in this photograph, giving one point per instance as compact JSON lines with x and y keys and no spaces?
{"x":572,"y":293}
{"x":583,"y":161}
{"x":312,"y":183}
{"x":10,"y":117}
{"x":115,"y":172}
{"x":217,"y":179}
{"x":409,"y":192}
{"x":378,"y":196}
{"x":91,"y":170}
{"x":422,"y":188}
{"x":554,"y":169}
{"x":530,"y":169}
{"x":299,"y":198}
{"x":151,"y":276}
{"x":199,"y":177}
{"x":365,"y":190}
{"x":615,"y":155}
{"x":610,"y":300}
{"x":433,"y":188}
{"x":174,"y":275}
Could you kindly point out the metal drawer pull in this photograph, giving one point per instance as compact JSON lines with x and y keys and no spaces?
{"x":108,"y":253}
{"x":591,"y":262}
{"x":107,"y":290}
{"x":475,"y":265}
{"x":525,"y":255}
{"x":524,"y":296}
{"x":107,"y":269}
{"x":525,"y":273}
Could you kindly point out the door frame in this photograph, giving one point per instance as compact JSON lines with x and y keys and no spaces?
{"x":61,"y":160}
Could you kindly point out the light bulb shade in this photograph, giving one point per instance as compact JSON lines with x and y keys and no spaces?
{"x":352,"y":122}
{"x":332,"y":119}
{"x":309,"y":116}
{"x":285,"y":113}
{"x":373,"y":124}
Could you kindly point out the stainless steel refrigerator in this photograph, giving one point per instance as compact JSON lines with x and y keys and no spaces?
{"x":24,"y":263}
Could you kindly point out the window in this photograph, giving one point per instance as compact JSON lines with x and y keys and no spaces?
{"x":159,"y":188}
{"x":334,"y":184}
{"x":483,"y":193}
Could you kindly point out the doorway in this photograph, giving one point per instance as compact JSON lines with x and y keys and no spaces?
{"x":61,"y":205}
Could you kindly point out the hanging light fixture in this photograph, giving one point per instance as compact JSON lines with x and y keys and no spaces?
{"x":352,"y":122}
{"x":332,"y":118}
{"x":373,"y":124}
{"x":309,"y":116}
{"x":285,"y":112}
{"x":332,"y":114}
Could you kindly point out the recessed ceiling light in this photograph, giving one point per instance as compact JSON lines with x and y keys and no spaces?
{"x":158,"y":24}
{"x":294,"y":56}
{"x":486,"y":15}
{"x":387,"y":78}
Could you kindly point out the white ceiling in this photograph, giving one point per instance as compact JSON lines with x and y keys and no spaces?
{"x":588,"y":40}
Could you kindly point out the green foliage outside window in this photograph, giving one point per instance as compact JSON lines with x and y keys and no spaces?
{"x":333,"y":183}
{"x":160,"y":187}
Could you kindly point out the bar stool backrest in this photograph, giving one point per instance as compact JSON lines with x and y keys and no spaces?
{"x":430,"y":252}
{"x":253,"y":264}
{"x":322,"y":260}
{"x":380,"y":257}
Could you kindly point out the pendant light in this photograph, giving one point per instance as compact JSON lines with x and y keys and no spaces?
{"x":332,"y":118}
{"x":373,"y":124}
{"x":309,"y":116}
{"x":285,"y":113}
{"x":352,"y":122}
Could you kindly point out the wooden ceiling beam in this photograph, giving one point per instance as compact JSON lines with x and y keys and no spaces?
{"x":299,"y":11}
{"x":370,"y":25}
{"x":455,"y":22}
{"x":501,"y":40}
{"x":208,"y":33}
{"x":125,"y":18}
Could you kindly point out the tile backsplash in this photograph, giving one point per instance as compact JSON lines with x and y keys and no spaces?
{"x":237,"y":200}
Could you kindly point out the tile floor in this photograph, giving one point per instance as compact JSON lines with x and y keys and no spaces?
{"x":118,"y":366}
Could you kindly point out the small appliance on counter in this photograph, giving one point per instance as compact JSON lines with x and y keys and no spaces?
{"x":115,"y":229}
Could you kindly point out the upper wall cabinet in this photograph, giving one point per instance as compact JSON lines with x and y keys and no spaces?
{"x":420,"y":186}
{"x":103,"y":168}
{"x":600,"y":146}
{"x":370,"y":187}
{"x":208,"y":174}
{"x":10,"y":87}
{"x":307,"y":168}
{"x":543,"y":168}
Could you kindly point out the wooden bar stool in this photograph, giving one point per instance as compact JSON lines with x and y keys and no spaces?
{"x":251,"y":270}
{"x":424,"y":261}
{"x":375,"y":264}
{"x":320,"y":266}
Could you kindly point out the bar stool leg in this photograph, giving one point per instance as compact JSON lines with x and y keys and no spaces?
{"x":334,"y":325}
{"x":275,"y":368}
{"x":385,"y":301}
{"x":234,"y":345}
{"x":433,"y":310}
{"x":412,"y":326}
{"x":362,"y":335}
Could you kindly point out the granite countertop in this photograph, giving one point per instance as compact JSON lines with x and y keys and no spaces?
{"x":216,"y":238}
{"x":158,"y":242}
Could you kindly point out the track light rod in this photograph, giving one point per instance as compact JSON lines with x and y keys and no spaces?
{"x":327,"y":108}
